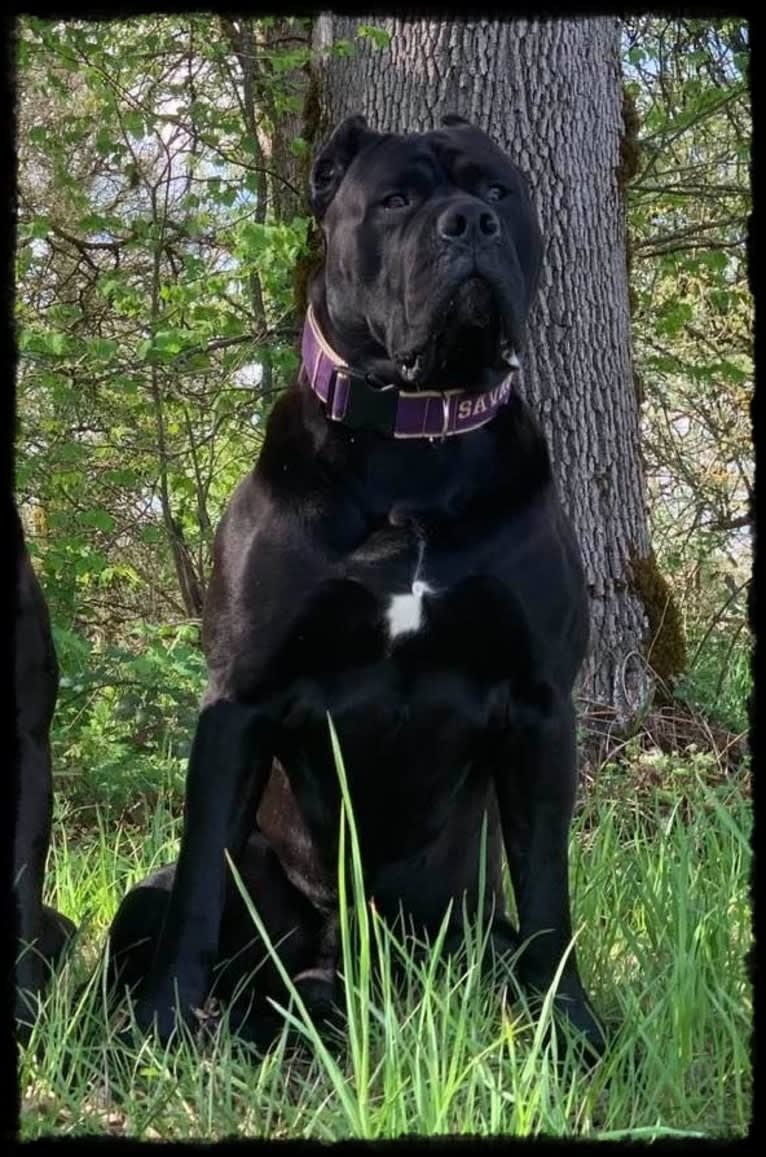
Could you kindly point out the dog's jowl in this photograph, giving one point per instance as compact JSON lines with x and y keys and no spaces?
{"x":397,"y":558}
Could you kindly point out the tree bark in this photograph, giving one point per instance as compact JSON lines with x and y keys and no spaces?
{"x":283,"y":106}
{"x":550,"y":93}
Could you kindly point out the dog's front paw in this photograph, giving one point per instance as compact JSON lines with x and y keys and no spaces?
{"x":158,"y":1014}
{"x":164,"y":1007}
{"x":570,"y":1005}
{"x":318,"y":989}
{"x":576,"y":1010}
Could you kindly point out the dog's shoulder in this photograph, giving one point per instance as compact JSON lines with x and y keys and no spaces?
{"x":268,"y":559}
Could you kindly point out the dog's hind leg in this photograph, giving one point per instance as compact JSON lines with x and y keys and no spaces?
{"x":245,"y":974}
{"x":305,"y":940}
{"x":135,"y":930}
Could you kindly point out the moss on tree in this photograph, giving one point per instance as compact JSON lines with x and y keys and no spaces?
{"x":309,"y":262}
{"x":630,"y":156}
{"x":664,"y":641}
{"x":630,"y":148}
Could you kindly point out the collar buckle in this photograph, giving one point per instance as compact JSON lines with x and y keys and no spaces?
{"x":368,"y":407}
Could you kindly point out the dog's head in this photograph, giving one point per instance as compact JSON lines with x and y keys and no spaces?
{"x":432,"y":252}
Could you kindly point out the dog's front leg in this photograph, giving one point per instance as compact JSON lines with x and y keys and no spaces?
{"x":228,"y":768}
{"x":536,"y":796}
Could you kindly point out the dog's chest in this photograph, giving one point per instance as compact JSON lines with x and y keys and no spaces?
{"x":404,"y":611}
{"x":401,"y":568}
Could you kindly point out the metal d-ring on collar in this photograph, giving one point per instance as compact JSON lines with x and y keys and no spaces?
{"x":445,"y":422}
{"x":445,"y":415}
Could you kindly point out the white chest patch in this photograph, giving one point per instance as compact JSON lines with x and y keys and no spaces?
{"x":405,"y":612}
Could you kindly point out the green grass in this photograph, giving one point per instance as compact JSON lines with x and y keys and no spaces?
{"x":660,"y":875}
{"x":719,"y":681}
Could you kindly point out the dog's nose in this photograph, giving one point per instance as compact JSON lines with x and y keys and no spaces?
{"x":468,"y":221}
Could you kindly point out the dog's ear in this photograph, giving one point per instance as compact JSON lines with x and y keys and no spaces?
{"x":330,"y":166}
{"x":452,"y":118}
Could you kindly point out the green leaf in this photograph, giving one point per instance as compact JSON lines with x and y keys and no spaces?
{"x":104,"y":142}
{"x":70,"y":452}
{"x":121,"y":477}
{"x":43,"y":343}
{"x":96,"y":223}
{"x":99,"y":519}
{"x":39,"y":227}
{"x":379,"y":37}
{"x":102,"y":347}
{"x":134,"y":122}
{"x":253,"y":236}
{"x":170,"y":341}
{"x":343,"y":48}
{"x":109,"y":286}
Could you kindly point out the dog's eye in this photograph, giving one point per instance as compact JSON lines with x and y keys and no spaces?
{"x":496,"y":192}
{"x":395,"y":201}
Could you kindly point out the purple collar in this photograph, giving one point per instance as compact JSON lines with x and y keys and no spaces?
{"x":349,"y":397}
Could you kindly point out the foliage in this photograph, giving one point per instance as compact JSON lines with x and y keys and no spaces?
{"x":154,"y":309}
{"x":126,"y":716}
{"x":689,"y":204}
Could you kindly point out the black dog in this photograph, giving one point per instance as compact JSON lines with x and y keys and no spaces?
{"x":398,"y":558}
{"x":43,"y":932}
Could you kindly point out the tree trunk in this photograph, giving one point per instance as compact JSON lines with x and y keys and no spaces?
{"x":551,"y":95}
{"x":241,"y":37}
{"x":284,"y":108}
